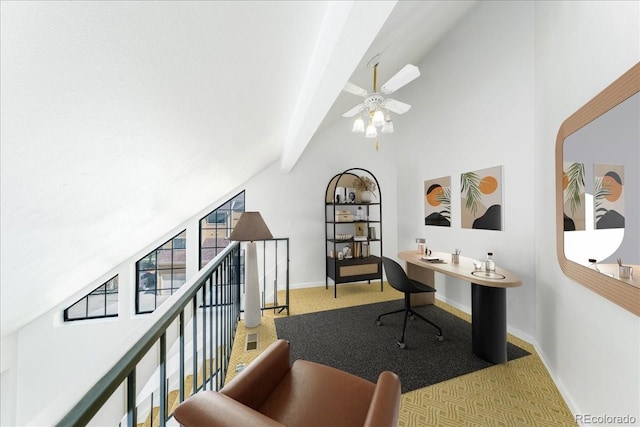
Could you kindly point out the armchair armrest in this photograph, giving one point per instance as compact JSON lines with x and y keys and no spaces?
{"x":210,"y":408}
{"x":385,"y":404}
{"x":258,"y":380}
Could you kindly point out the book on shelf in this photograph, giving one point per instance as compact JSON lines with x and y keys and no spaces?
{"x":372,"y":233}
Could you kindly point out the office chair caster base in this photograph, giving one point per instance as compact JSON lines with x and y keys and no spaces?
{"x":401,"y":345}
{"x":440,"y":337}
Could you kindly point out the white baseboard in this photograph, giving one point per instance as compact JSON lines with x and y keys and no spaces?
{"x":563,"y":391}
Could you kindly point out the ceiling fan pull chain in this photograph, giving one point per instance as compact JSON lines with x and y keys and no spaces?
{"x":375,"y":76}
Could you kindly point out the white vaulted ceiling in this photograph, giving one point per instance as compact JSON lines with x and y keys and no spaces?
{"x":120,"y":120}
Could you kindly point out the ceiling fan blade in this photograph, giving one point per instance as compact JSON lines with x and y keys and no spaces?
{"x":355,"y":110}
{"x":401,"y":78}
{"x":396,"y":106}
{"x":356,"y":90}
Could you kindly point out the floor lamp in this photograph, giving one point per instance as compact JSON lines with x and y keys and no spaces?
{"x":251,"y":228}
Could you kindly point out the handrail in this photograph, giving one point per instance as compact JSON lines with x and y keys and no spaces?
{"x":226,"y":263}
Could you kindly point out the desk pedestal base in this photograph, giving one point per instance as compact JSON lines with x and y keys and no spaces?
{"x":489,"y":323}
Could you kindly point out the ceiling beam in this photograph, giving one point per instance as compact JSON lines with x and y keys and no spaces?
{"x":348,"y":30}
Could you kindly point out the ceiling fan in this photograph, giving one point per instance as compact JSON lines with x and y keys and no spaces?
{"x":376,"y":108}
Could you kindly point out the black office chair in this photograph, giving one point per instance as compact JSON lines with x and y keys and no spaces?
{"x":399,"y":280}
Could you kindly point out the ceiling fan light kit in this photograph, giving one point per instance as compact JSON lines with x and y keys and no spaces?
{"x":375,"y":108}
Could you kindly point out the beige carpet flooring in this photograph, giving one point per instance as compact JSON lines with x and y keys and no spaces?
{"x":517,"y":393}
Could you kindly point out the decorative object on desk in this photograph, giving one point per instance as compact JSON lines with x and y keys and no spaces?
{"x":481,"y":199}
{"x":478,"y":265}
{"x":437,"y":202}
{"x":624,"y":271}
{"x":421,"y":244}
{"x":489,"y":263}
{"x":608,"y":196}
{"x":251,"y":228}
{"x":455,"y":257}
{"x":488,"y":274}
{"x":573,"y":196}
{"x":593,"y":264}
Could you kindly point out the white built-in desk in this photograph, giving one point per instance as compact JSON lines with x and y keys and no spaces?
{"x":488,"y":298}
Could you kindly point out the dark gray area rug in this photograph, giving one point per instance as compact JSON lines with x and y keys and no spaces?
{"x":350,"y":340}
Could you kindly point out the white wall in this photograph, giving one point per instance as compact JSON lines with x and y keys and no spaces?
{"x":474,"y":109}
{"x":591,"y":345}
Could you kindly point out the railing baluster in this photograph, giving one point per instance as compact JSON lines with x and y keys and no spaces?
{"x":194,"y":341}
{"x":182,"y":373}
{"x":211,"y":346}
{"x":131,"y":398}
{"x":163,"y":379}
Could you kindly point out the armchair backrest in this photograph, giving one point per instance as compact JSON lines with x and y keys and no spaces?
{"x":257,"y":381}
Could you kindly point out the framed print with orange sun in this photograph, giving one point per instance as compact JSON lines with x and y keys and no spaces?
{"x":437,"y":202}
{"x":481,"y":199}
{"x":608,"y":196}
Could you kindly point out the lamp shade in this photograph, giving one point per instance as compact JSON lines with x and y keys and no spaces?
{"x":250,"y":227}
{"x":371,"y":131}
{"x":358,"y":125}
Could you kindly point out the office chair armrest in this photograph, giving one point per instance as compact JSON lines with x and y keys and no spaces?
{"x":210,"y":408}
{"x":257,"y":381}
{"x":385,"y":404}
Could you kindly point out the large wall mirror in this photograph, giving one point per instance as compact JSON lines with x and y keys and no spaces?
{"x":598,"y":193}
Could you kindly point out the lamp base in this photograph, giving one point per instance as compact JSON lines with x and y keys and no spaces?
{"x":252,"y":288}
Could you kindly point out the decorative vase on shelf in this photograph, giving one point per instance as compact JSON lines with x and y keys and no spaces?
{"x":366,"y":196}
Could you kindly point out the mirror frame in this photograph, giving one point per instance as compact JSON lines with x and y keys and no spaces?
{"x":621,"y":293}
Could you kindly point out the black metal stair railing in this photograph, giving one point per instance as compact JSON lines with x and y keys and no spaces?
{"x":214,"y":295}
{"x":206,"y":311}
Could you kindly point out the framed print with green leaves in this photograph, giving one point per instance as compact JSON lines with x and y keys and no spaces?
{"x":481,"y":199}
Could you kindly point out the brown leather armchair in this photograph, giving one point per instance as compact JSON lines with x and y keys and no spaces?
{"x":272,"y":392}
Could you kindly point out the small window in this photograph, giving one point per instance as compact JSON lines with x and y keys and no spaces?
{"x":99,"y":303}
{"x":216,"y":227}
{"x":161,"y":273}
